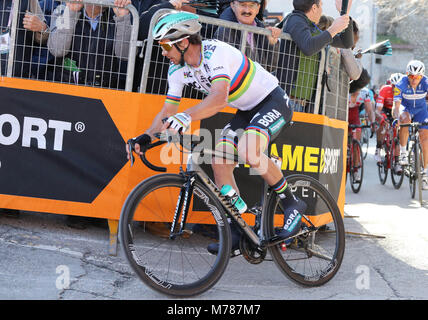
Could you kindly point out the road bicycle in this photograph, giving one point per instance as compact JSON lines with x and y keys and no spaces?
{"x":414,"y":155}
{"x":355,"y":159}
{"x":389,"y":157}
{"x":177,"y":262}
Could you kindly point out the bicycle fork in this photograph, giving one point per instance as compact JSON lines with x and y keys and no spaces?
{"x":184,"y":199}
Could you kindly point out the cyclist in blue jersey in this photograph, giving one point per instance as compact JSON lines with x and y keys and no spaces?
{"x":410,"y":105}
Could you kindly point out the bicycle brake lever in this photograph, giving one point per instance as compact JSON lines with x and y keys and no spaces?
{"x":131,"y":153}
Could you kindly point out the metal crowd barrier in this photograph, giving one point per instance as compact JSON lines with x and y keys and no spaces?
{"x":308,"y":87}
{"x":67,"y":54}
{"x":336,"y":87}
{"x":320,"y":87}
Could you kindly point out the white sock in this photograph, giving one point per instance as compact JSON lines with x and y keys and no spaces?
{"x":402,"y":150}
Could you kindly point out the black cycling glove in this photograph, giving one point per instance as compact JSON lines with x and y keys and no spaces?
{"x":143,"y":140}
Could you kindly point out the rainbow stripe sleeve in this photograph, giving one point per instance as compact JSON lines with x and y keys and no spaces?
{"x":173,"y":99}
{"x":220,"y":77}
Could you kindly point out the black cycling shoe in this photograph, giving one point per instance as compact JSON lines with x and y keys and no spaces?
{"x":292,"y":219}
{"x":236,"y":236}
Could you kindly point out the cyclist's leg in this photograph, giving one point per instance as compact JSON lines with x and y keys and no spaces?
{"x":263,"y":128}
{"x":223,"y":168}
{"x":404,"y":118}
{"x":380,"y":134}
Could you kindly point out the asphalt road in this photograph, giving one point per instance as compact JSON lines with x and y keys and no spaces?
{"x":386,"y":257}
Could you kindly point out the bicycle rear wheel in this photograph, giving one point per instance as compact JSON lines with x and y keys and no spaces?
{"x":356,"y":169}
{"x":382,"y":166}
{"x":315,"y":256}
{"x":181,"y":265}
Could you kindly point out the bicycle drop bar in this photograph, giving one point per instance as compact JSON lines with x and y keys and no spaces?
{"x":414,"y":124}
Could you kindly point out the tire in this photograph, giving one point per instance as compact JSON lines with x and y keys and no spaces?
{"x":419,"y":162}
{"x":181,"y":266}
{"x":397,"y":179}
{"x":314,"y":258}
{"x":382,"y":166}
{"x":355,"y":184}
{"x":412,"y":171}
{"x":365,"y":141}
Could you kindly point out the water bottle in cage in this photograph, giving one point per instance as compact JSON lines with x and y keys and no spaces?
{"x":234,"y":198}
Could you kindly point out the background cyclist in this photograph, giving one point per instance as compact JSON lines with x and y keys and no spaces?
{"x":356,"y":99}
{"x":228,"y":78}
{"x":384,"y":104}
{"x":410,"y":105}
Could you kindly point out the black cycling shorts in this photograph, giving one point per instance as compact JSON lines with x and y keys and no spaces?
{"x":266,"y":120}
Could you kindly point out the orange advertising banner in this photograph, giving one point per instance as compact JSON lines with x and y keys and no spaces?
{"x":62,"y":147}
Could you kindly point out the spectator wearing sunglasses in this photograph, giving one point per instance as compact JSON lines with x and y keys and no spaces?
{"x":259,"y":48}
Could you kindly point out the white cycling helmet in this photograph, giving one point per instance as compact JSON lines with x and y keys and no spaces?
{"x":415,"y":67}
{"x":395,"y":78}
{"x":175,"y":25}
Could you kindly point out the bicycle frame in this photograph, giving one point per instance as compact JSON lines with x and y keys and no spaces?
{"x":194,"y":171}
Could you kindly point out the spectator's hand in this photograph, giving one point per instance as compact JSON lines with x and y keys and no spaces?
{"x":339,"y":6}
{"x":119,"y":6}
{"x":358,"y":55}
{"x":178,"y":3}
{"x":33,"y":23}
{"x":75,"y":6}
{"x":339,"y":24}
{"x":276,"y":32}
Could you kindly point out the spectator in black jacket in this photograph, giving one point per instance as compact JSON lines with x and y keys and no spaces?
{"x":299,"y":59}
{"x":259,"y":48}
{"x":83,"y":40}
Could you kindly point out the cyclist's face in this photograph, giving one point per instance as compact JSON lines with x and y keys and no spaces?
{"x":245,"y":12}
{"x":172,"y":53}
{"x":414,"y":80}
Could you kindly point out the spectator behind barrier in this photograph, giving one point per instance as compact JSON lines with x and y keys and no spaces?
{"x":83,"y":41}
{"x":23,"y":39}
{"x":259,"y":48}
{"x":144,"y":5}
{"x":361,"y":82}
{"x":38,"y":21}
{"x":155,"y":80}
{"x":299,"y":59}
{"x":351,"y":62}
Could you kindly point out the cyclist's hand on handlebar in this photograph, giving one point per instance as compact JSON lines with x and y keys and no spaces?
{"x":179,"y":122}
{"x":138,"y":144}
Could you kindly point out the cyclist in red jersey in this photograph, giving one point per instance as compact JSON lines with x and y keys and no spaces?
{"x":355,"y":100}
{"x":384,"y":104}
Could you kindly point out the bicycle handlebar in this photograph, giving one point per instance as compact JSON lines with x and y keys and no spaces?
{"x":164,"y":138}
{"x":414,"y":124}
{"x":353,"y":126}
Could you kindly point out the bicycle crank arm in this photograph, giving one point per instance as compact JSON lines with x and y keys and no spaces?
{"x":275,"y":240}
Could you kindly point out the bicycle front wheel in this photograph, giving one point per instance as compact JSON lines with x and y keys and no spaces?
{"x":382,"y":166}
{"x":413,"y":173}
{"x":357,"y":167}
{"x":168,"y":261}
{"x":397,"y":171}
{"x":365,"y":141}
{"x":314,"y":256}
